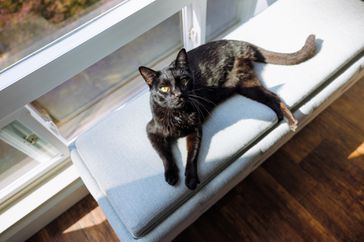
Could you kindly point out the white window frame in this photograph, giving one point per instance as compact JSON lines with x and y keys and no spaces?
{"x":194,"y":24}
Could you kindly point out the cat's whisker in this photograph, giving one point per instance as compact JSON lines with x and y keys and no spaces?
{"x":197,"y":108}
{"x":201,"y":105}
{"x":202,"y":88}
{"x":203,"y":98}
{"x":208,"y":112}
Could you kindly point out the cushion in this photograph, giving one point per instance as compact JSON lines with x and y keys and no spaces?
{"x":129,"y":173}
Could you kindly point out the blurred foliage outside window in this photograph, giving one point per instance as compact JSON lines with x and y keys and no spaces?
{"x":27,"y":25}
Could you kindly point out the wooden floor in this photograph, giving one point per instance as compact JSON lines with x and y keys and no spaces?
{"x":312,"y":189}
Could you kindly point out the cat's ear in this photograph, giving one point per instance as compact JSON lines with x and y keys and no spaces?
{"x":148,"y":74}
{"x":181,"y":59}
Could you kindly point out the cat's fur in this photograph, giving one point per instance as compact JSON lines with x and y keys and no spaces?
{"x":183,"y":94}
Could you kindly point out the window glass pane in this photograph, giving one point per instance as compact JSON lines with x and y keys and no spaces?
{"x":21,"y":150}
{"x":84,"y":97}
{"x":19,"y":136}
{"x":222,"y":15}
{"x":13,"y":164}
{"x":27,"y":25}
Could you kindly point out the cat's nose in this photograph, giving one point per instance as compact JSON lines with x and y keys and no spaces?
{"x":177,"y":93}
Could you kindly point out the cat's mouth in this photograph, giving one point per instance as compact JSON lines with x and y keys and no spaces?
{"x":178,"y":103}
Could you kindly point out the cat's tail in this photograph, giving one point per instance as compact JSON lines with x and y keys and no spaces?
{"x":305,"y":53}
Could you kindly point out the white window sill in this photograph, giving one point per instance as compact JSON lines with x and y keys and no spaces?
{"x":42,"y":204}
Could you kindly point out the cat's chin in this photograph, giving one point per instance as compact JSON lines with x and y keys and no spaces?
{"x":177,"y":105}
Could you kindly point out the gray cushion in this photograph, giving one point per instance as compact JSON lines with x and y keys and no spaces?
{"x":130,"y":172}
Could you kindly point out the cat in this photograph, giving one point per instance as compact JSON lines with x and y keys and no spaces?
{"x":183,"y":94}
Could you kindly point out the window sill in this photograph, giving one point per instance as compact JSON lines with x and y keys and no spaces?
{"x":42,"y":204}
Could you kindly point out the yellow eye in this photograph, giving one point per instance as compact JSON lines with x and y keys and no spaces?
{"x":164,"y":89}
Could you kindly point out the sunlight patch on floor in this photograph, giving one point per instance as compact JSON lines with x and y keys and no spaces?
{"x":91,"y":219}
{"x":359,"y":151}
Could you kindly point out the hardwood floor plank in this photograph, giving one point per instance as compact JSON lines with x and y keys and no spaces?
{"x":83,"y":222}
{"x":290,"y":175}
{"x":332,"y":197}
{"x":303,"y":144}
{"x":290,"y":210}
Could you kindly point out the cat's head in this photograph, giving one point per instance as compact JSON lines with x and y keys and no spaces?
{"x":170,"y":86}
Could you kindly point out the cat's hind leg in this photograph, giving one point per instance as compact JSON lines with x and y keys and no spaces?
{"x":259,"y":93}
{"x":243,"y":78}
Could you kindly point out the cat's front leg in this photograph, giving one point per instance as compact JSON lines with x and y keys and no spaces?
{"x":163,"y":147}
{"x":193,"y":149}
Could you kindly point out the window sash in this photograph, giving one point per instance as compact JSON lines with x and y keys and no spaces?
{"x":59,"y":61}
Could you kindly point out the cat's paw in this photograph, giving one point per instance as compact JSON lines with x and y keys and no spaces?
{"x":171,"y":176}
{"x":293,"y":124}
{"x":192,"y":181}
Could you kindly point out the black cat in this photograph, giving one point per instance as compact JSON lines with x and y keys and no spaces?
{"x":183,"y":94}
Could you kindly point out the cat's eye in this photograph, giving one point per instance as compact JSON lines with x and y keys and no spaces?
{"x":164,"y":89}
